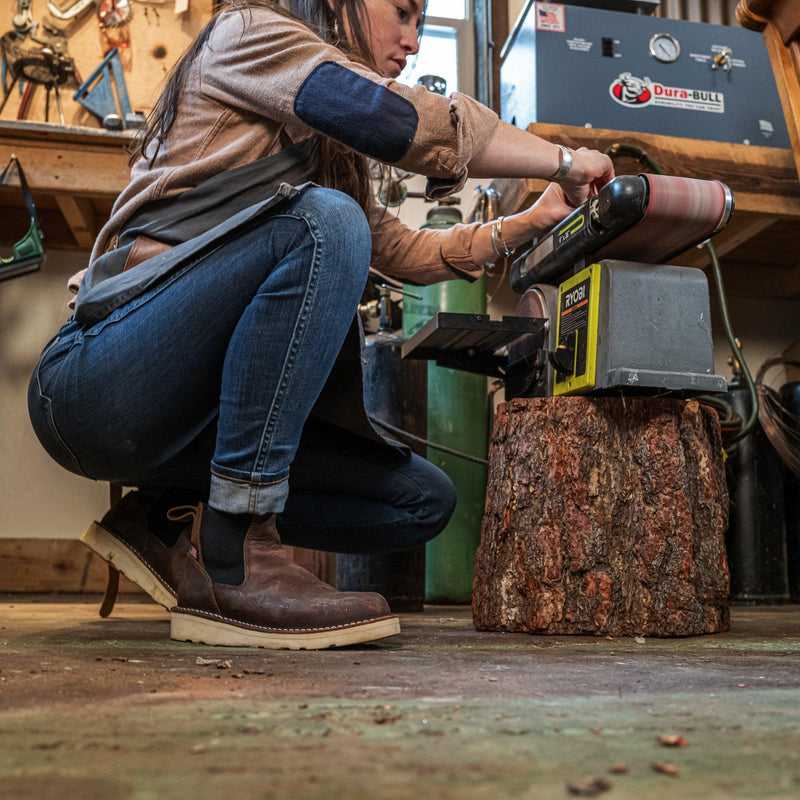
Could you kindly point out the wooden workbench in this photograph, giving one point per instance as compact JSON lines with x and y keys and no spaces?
{"x":74,"y":174}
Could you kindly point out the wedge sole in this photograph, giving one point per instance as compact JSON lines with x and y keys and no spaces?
{"x":119,"y":555}
{"x":188,"y":627}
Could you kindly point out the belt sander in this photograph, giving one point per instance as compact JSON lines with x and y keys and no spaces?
{"x":601,"y":311}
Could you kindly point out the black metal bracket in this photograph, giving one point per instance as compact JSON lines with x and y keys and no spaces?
{"x":469,"y":342}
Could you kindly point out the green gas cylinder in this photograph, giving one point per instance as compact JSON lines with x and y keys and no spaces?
{"x":457,"y":418}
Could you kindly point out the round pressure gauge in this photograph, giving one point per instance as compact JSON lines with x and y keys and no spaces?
{"x":664,"y":47}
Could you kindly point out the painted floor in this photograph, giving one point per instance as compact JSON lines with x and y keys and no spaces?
{"x":98,"y":709}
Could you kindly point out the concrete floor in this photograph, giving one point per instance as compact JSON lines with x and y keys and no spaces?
{"x":93,"y":708}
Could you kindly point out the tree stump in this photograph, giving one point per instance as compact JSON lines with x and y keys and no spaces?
{"x":604,"y":516}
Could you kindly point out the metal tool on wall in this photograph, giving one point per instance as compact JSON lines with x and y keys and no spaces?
{"x":42,"y":66}
{"x":28,"y":253}
{"x":47,"y":63}
{"x":105,"y":94}
{"x":114,"y":17}
{"x":72,"y":11}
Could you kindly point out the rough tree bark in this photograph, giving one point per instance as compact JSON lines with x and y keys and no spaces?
{"x":604,"y":516}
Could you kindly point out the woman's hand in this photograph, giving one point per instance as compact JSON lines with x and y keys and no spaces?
{"x":589,"y":172}
{"x":513,"y":153}
{"x":517,"y":229}
{"x":551,"y":207}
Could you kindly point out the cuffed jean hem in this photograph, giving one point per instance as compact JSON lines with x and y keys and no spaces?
{"x":243,"y":497}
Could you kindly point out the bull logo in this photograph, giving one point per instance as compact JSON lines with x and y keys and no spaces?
{"x":630,"y":91}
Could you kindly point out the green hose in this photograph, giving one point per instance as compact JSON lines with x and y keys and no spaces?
{"x":618,"y":148}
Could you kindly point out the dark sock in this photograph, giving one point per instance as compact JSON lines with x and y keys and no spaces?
{"x":222,"y":542}
{"x":165,"y":529}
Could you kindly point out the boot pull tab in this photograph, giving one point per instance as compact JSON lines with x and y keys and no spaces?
{"x":180,"y":513}
{"x":189,"y":513}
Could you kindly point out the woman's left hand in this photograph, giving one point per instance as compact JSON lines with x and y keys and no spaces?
{"x":551,"y":207}
{"x":517,"y":229}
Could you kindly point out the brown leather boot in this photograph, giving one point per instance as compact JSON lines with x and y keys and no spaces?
{"x":123,"y":539}
{"x":279,"y":604}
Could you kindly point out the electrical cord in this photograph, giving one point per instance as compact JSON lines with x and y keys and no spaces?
{"x":779,"y":424}
{"x":618,"y":148}
{"x":731,"y":423}
{"x":735,"y":347}
{"x":419,"y":440}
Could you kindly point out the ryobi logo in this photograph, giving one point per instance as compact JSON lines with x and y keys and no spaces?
{"x":575,"y":296}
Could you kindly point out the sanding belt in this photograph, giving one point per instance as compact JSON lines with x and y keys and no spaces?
{"x":681,"y":212}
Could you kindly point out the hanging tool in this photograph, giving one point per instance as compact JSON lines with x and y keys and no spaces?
{"x":115,"y":15}
{"x":105,"y":94}
{"x":72,"y":11}
{"x":47,"y":66}
{"x":28,"y":253}
{"x":23,"y":20}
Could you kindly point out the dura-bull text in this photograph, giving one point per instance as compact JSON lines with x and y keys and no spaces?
{"x":634,"y":92}
{"x":697,"y":95}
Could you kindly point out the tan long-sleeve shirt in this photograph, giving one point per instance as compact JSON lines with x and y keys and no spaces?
{"x":263,"y":81}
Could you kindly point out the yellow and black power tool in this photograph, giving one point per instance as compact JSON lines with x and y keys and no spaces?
{"x":601,"y":311}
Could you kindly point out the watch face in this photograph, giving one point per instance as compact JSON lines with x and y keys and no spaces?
{"x":664,"y":47}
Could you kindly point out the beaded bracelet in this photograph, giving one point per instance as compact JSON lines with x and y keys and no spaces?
{"x":498,"y":243}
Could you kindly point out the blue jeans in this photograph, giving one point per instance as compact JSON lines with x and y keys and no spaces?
{"x":206,"y":381}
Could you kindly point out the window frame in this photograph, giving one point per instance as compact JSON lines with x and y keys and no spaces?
{"x":465,"y":48}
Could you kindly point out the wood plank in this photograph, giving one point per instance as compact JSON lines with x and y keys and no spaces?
{"x":779,"y":23}
{"x":762,"y":178}
{"x":783,"y":14}
{"x":96,"y":166}
{"x":80,"y":216}
{"x":787,"y":72}
{"x":53,"y":565}
{"x":75,"y":174}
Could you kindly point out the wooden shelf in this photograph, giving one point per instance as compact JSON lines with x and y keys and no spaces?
{"x":77,"y":169}
{"x":75,"y":174}
{"x":758,"y":249}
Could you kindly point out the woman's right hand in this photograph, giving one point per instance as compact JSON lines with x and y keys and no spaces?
{"x":589,"y":172}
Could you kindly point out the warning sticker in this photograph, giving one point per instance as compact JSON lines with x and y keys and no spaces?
{"x":574,"y":323}
{"x":579,"y":44}
{"x":633,"y":92}
{"x":550,"y":17}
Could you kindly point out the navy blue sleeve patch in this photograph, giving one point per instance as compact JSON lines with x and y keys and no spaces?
{"x":357,"y":112}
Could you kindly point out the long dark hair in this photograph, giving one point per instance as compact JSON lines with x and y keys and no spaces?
{"x":339,"y":166}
